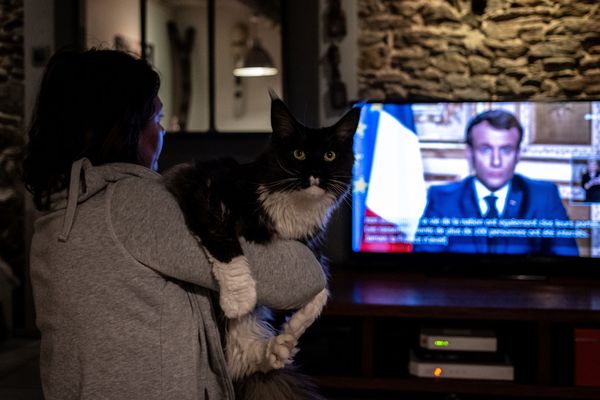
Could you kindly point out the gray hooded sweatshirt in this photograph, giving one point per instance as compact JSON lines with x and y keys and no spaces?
{"x":121,"y":291}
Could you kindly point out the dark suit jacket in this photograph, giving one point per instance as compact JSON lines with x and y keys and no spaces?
{"x":527,"y":199}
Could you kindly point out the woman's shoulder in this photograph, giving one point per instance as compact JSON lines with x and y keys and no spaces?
{"x":142,"y":190}
{"x":141,"y":204}
{"x":142,"y":197}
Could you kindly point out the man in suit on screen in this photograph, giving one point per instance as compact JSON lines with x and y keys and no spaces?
{"x":495,"y":210}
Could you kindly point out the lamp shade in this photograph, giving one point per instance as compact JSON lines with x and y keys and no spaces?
{"x":256,"y":62}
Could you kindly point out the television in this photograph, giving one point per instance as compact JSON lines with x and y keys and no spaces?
{"x":407,"y":152}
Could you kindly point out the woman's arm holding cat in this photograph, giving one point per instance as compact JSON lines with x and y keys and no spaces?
{"x":148,"y":222}
{"x":287,"y":273}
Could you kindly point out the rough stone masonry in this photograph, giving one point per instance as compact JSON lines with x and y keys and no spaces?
{"x":11,"y":138}
{"x":478,"y":49}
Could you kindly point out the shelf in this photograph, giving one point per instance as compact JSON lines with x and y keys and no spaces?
{"x":409,"y":295}
{"x":458,"y":386}
{"x":372,"y":319}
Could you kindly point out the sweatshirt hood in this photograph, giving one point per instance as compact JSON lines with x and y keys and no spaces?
{"x":87,"y":180}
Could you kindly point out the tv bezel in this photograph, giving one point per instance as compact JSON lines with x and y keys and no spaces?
{"x":526,"y":266}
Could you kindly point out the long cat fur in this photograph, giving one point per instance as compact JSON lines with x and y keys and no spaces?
{"x":283,"y":193}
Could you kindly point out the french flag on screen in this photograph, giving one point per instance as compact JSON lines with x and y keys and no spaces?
{"x":388,"y":190}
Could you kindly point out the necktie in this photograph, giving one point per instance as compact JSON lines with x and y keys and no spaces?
{"x":492,"y":210}
{"x":491,"y":213}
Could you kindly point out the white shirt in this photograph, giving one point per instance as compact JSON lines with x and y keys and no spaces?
{"x":482,"y":192}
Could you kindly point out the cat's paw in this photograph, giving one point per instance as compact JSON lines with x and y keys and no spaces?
{"x":280,"y":351}
{"x":237,"y":288}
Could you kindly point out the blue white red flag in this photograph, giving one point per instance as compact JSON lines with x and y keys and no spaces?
{"x":389,"y":193}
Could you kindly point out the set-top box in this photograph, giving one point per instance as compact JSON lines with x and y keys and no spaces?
{"x":458,"y":340}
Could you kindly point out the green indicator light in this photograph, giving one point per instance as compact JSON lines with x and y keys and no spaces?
{"x":441,"y":343}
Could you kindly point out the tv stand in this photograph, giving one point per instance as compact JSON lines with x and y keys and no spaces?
{"x":361,"y":344}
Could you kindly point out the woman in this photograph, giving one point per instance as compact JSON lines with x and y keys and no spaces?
{"x":121,"y":288}
{"x":590,"y":180}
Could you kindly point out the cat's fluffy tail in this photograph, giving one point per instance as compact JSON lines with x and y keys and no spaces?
{"x":277,"y":384}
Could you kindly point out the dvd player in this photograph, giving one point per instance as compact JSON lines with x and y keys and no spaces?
{"x":458,"y":340}
{"x":502,"y":371}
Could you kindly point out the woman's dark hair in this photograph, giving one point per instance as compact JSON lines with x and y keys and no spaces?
{"x":91,"y":104}
{"x":499,"y":119}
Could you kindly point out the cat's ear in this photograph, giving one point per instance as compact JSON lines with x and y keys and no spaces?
{"x":346,"y":126}
{"x":282,"y":120}
{"x":273,"y":94}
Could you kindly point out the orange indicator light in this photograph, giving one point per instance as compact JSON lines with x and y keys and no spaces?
{"x":437,"y":372}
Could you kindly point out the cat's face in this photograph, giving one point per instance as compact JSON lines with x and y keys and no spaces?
{"x":314,"y":161}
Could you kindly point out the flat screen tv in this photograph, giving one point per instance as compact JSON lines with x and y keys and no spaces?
{"x":418,"y":194}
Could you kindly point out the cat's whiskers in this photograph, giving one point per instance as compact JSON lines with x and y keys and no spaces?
{"x":278,"y":182}
{"x":341,"y":176}
{"x":338,"y":186}
{"x":340,"y":197}
{"x":346,"y":200}
{"x":338,"y":181}
{"x":284,"y":184}
{"x":289,"y":171}
{"x":341,"y":192}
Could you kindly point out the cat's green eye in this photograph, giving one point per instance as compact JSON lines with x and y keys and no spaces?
{"x":299,"y":154}
{"x":329,"y":155}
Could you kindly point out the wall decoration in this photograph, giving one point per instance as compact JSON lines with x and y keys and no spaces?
{"x":549,"y":142}
{"x":335,"y":30}
{"x":181,"y":54}
{"x":442,"y":122}
{"x":127,"y":44}
{"x":560,"y":123}
{"x":196,"y":56}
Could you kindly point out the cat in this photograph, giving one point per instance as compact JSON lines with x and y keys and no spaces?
{"x":289,"y":192}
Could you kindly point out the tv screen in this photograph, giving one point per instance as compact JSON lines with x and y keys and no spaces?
{"x":478,"y":178}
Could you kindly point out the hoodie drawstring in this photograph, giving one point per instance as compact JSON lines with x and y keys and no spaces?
{"x":71,"y":200}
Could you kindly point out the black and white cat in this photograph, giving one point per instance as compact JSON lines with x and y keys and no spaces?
{"x":289,"y":191}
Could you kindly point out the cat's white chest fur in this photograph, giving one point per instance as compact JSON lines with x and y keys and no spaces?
{"x":300,"y":213}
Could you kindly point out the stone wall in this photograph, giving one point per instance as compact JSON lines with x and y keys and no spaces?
{"x":11,"y":136}
{"x":478,"y":49}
